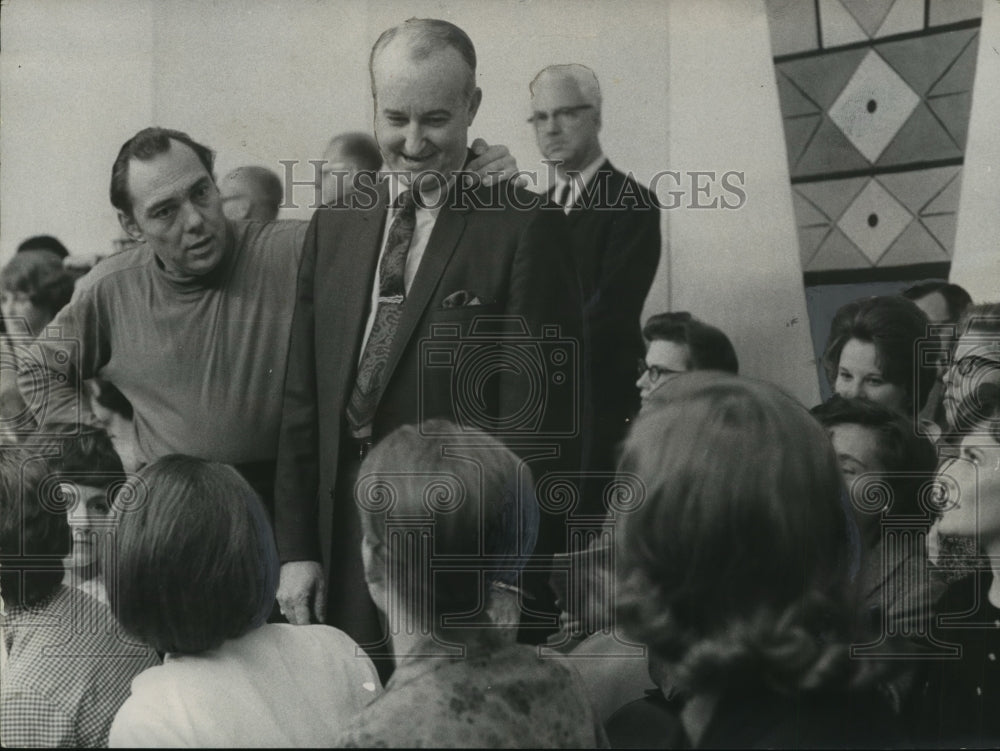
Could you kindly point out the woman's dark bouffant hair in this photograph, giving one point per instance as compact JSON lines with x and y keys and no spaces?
{"x":197,"y":562}
{"x":909,"y":459}
{"x":894,"y":325}
{"x":735,"y":567}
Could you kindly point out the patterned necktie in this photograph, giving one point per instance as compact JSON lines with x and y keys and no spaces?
{"x":391,"y":294}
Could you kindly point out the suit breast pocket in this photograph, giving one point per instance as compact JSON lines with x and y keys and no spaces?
{"x":464,"y":312}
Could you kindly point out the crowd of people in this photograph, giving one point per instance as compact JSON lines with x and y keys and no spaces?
{"x":389,"y":477}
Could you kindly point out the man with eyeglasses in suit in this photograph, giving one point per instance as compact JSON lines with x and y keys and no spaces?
{"x":615,"y":230}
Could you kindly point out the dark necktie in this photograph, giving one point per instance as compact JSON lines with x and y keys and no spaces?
{"x":391,"y":294}
{"x":564,"y":196}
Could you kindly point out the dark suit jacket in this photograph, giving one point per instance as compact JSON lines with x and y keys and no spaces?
{"x":515,"y":261}
{"x":615,"y":230}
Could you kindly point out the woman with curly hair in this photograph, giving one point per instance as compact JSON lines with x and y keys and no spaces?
{"x":735,"y":570}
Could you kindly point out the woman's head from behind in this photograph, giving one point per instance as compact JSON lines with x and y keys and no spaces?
{"x":468,"y":494}
{"x":197,"y":563}
{"x":736,"y":564}
{"x":871,"y":353}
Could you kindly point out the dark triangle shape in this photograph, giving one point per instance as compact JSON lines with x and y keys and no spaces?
{"x":829,"y":151}
{"x":922,"y":137}
{"x":822,"y":78}
{"x":793,"y":101}
{"x":923,"y":60}
{"x":953,"y":111}
{"x":869,"y":13}
{"x":960,"y":75}
{"x":798,"y":131}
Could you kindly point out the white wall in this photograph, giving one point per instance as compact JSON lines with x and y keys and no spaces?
{"x":261,"y":81}
{"x":976,"y":264}
{"x":737,"y":269}
{"x":75,"y":82}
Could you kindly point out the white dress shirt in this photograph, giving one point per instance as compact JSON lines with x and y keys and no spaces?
{"x":577,"y":179}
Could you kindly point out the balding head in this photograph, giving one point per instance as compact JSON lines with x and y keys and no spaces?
{"x":253,"y":193}
{"x":422,"y":37}
{"x":566,"y":114}
{"x":573,"y":76}
{"x":346,"y":155}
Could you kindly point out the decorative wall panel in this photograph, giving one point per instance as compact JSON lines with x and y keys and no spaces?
{"x":875,"y":98}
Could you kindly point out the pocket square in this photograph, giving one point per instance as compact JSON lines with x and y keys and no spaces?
{"x":460,"y":299}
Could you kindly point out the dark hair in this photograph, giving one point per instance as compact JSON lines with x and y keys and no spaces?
{"x":40,"y":275}
{"x":109,"y":397}
{"x":708,"y":347}
{"x":955,"y":297}
{"x":360,"y":148}
{"x":893,"y":325}
{"x":909,"y":459}
{"x":145,"y":145}
{"x":426,"y":36}
{"x":473,"y":491}
{"x":271,"y":189}
{"x":735,"y":567}
{"x":44,"y":242}
{"x":34,"y":532}
{"x":197,"y":562}
{"x":85,"y":455}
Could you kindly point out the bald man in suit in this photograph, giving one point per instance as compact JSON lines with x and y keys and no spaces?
{"x":414,"y":261}
{"x":615,"y":226}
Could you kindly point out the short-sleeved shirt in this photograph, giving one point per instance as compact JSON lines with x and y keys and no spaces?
{"x":68,"y":671}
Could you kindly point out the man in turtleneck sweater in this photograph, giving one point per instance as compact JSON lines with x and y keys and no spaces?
{"x":192,"y":325}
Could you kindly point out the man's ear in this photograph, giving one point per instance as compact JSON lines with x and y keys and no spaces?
{"x":130,"y":226}
{"x":474,"y":101}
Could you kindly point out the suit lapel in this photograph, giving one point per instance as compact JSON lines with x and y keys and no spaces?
{"x":348,"y":290}
{"x":440,"y":247}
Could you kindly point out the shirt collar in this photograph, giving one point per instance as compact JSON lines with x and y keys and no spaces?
{"x":431,"y":200}
{"x":585,"y":176}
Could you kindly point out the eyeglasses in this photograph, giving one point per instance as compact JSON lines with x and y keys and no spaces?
{"x":562,"y":116}
{"x":655,"y":371}
{"x":970,"y":363}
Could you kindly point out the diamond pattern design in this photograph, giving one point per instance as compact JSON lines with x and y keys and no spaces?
{"x":885,"y":93}
{"x":874,"y":220}
{"x":873,"y":106}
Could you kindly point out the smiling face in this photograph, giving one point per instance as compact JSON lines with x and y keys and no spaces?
{"x":423,"y":110}
{"x":860,"y":376}
{"x":177,"y":211}
{"x":88,"y":518}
